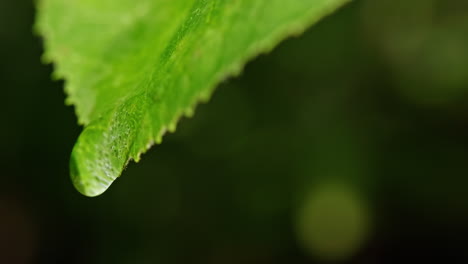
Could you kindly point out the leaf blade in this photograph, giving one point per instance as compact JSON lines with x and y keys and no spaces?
{"x":128,"y":95}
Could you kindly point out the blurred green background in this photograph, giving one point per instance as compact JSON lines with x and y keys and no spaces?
{"x":348,"y":144}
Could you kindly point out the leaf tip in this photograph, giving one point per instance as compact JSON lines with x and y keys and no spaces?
{"x":83,"y":184}
{"x":91,"y":170}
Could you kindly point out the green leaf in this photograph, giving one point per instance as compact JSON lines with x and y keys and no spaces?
{"x":133,"y":68}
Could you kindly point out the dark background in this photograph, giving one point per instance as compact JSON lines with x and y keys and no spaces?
{"x":348,"y":144}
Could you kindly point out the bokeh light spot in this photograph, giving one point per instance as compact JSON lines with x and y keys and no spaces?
{"x":333,"y":222}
